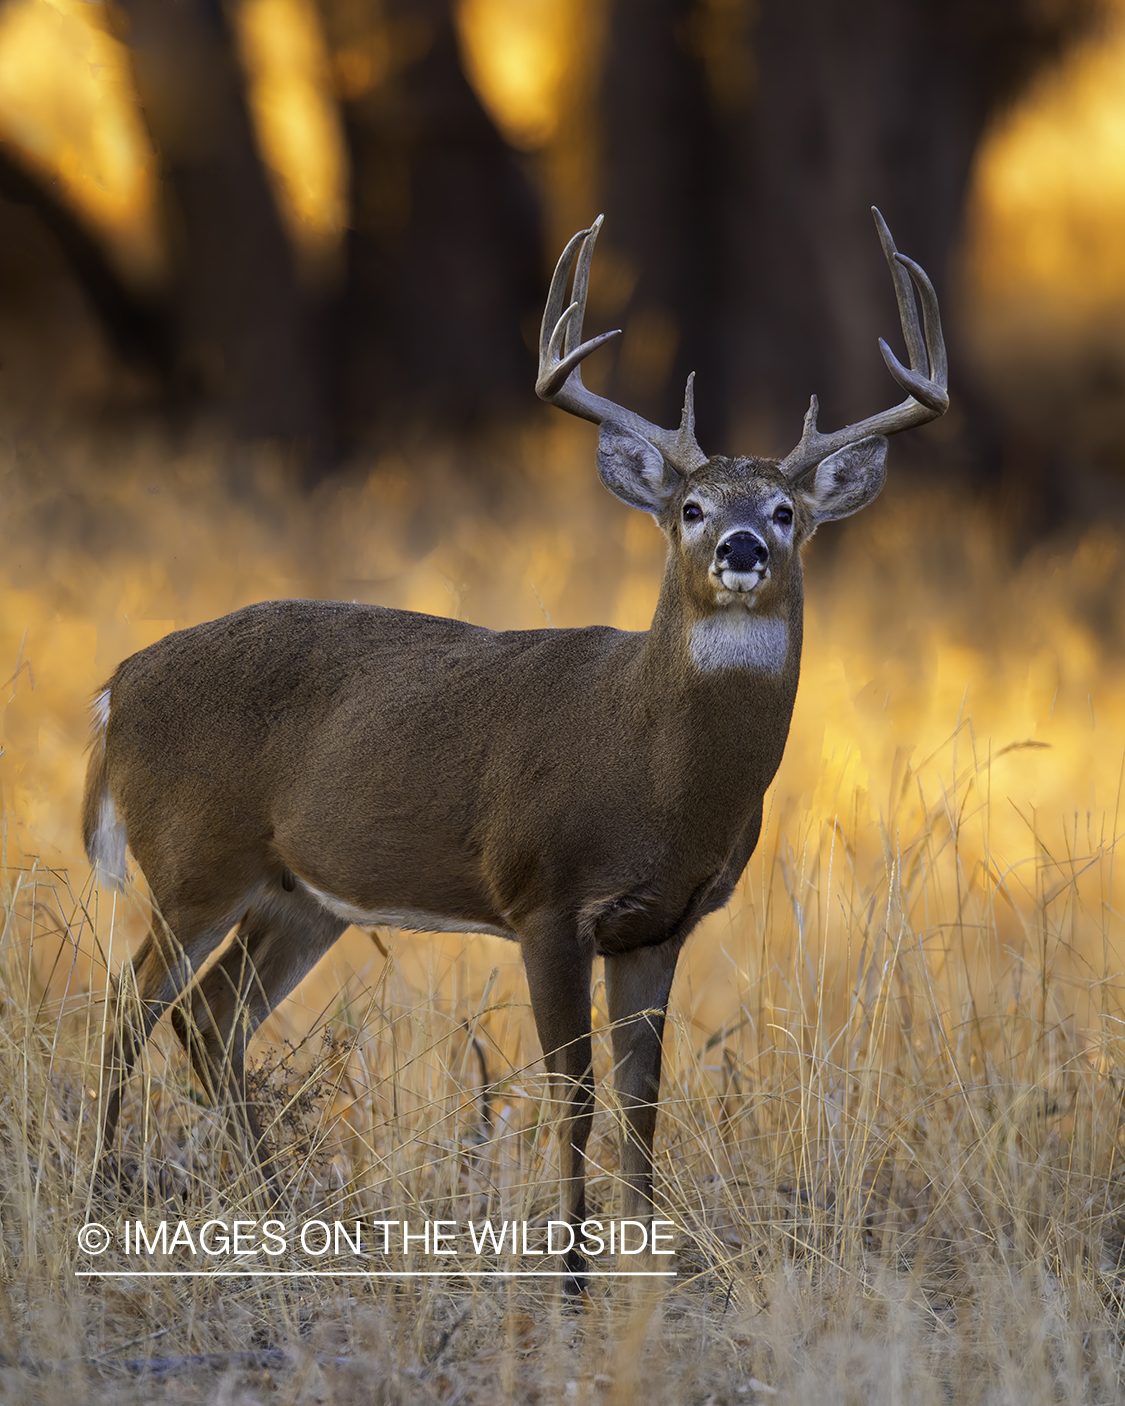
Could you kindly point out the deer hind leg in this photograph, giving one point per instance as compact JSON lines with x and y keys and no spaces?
{"x":278,"y":942}
{"x":558,"y":976}
{"x":147,"y":986}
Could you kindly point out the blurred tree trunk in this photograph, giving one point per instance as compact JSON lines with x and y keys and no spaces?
{"x":444,"y":254}
{"x":432,"y":321}
{"x":877,"y":103}
{"x":136,"y":326}
{"x":803,"y":114}
{"x":443,"y":258}
{"x":245,"y":336}
{"x":662,"y":197}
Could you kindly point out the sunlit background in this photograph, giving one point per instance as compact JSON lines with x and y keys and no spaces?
{"x":961,"y":673}
{"x":1046,"y":203}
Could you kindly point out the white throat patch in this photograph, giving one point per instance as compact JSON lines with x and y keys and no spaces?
{"x":739,"y":639}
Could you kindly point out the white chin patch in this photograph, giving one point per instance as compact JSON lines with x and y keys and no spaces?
{"x":737,"y":585}
{"x":739,"y":639}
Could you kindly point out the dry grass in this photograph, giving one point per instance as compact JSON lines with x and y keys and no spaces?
{"x":905,"y":1190}
{"x":891,"y":1119}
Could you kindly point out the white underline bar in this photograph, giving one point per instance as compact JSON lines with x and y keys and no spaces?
{"x":373,"y":1274}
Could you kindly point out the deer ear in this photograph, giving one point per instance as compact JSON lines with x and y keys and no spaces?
{"x":848,"y":480}
{"x":634,"y":470}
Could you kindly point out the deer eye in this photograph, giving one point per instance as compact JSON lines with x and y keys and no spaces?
{"x":783,"y":515}
{"x":692,"y":512}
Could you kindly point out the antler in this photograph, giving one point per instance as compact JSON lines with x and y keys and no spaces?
{"x":925,"y":381}
{"x":560,"y":377}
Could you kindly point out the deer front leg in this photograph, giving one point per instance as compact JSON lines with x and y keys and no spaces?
{"x":637,"y":987}
{"x":558,"y":978}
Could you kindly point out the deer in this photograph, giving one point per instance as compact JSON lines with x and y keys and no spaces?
{"x":300,"y":766}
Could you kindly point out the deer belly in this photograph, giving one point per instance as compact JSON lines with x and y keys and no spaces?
{"x":413,"y":919}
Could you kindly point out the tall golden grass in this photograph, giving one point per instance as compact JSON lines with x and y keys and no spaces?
{"x":891,"y":1118}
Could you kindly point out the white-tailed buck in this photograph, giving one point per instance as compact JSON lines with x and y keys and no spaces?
{"x":302,"y":765}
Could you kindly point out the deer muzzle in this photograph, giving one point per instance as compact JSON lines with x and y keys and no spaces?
{"x":741,"y":561}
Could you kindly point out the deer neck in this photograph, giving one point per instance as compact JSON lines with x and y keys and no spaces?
{"x":727,"y":676}
{"x":703,"y":645}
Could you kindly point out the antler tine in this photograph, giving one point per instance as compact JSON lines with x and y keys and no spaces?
{"x":560,"y":379}
{"x":904,"y":295}
{"x":562,"y":330}
{"x":686,"y":449}
{"x":582,"y":284}
{"x":925,"y":382}
{"x":931,"y":321}
{"x":556,"y":295}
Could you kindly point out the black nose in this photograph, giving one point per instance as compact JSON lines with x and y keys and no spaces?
{"x":741,"y":551}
